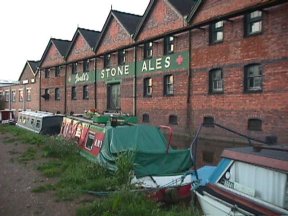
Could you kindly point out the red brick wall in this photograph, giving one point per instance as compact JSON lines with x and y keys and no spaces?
{"x":234,"y":108}
{"x":213,"y":8}
{"x":160,"y":107}
{"x":52,"y":83}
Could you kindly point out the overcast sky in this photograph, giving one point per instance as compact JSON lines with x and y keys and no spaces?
{"x":27,"y":26}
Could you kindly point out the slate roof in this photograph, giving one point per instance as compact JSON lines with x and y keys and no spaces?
{"x":90,"y":36}
{"x":34,"y":65}
{"x":129,"y":21}
{"x":184,"y":7}
{"x":61,"y":45}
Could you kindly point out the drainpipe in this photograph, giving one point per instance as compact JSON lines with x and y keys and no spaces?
{"x":95,"y":84}
{"x":65,"y":90}
{"x":24,"y":97}
{"x":40,"y":89}
{"x":189,"y":86}
{"x":135,"y":83}
{"x":10,"y":91}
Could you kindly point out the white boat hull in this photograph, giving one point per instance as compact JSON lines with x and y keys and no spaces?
{"x":212,"y":206}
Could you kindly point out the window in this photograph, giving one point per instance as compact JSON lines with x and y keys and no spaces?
{"x":145,"y":118}
{"x":57,"y":94}
{"x":113,"y":94}
{"x":208,"y":121}
{"x":38,"y":123}
{"x":173,"y":119}
{"x":216,"y":32}
{"x":107,"y":60}
{"x":253,"y":23}
{"x":7,"y":95}
{"x":147,"y":87}
{"x":85,"y":92}
{"x":255,"y":124}
{"x":47,"y":71}
{"x":20,"y":95}
{"x":74,"y":67}
{"x":47,"y":95}
{"x":253,"y":78}
{"x":216,"y":81}
{"x":168,"y":85}
{"x":86,"y":66}
{"x":28,"y":94}
{"x":13,"y":96}
{"x":90,"y":140}
{"x":73,"y":93}
{"x":148,"y":50}
{"x":168,"y":45}
{"x":57,"y":71}
{"x":122,"y":57}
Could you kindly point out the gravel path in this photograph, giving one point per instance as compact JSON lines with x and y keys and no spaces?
{"x":17,"y":180}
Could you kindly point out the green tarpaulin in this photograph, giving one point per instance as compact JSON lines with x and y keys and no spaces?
{"x":149,"y":147}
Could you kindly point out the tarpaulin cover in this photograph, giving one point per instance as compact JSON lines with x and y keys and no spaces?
{"x":149,"y":147}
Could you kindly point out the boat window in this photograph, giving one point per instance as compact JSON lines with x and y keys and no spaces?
{"x":38,"y":123}
{"x":90,"y":140}
{"x":20,"y":119}
{"x":24,"y":120}
{"x":32,"y":121}
{"x":248,"y":179}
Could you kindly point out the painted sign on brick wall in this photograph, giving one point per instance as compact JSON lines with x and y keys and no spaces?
{"x":176,"y":61}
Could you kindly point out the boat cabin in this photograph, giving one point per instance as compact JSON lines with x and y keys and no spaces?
{"x":40,"y":122}
{"x":7,"y":116}
{"x":248,"y":181}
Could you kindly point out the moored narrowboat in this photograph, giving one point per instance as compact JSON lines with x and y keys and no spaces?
{"x":156,"y":164}
{"x":40,"y":122}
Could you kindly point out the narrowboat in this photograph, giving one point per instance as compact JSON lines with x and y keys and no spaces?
{"x":7,"y":116}
{"x":40,"y":122}
{"x":156,"y":163}
{"x":247,"y":181}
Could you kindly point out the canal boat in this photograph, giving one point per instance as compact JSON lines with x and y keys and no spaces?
{"x":248,"y":181}
{"x":157,"y":165}
{"x":40,"y":122}
{"x":7,"y":116}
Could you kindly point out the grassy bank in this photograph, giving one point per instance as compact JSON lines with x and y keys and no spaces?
{"x":74,"y":176}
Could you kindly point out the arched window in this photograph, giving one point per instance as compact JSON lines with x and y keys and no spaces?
{"x":173,"y":119}
{"x":145,"y":118}
{"x":255,"y":124}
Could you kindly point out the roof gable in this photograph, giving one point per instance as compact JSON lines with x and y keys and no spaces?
{"x":184,"y":7}
{"x":118,"y":29}
{"x":29,"y":70}
{"x":55,"y":52}
{"x":82,"y":44}
{"x":161,"y":15}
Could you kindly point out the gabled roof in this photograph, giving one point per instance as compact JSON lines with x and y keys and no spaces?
{"x":33,"y":65}
{"x":128,"y":21}
{"x":183,"y":7}
{"x":61,"y":45}
{"x":90,"y":36}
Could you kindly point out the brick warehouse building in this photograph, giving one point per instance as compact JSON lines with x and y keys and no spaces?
{"x":24,"y":94}
{"x":178,"y":64}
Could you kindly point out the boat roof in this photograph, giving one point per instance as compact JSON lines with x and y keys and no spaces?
{"x":39,"y":114}
{"x":275,"y":157}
